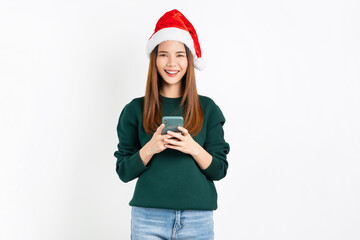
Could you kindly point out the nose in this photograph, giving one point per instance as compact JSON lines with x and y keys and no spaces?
{"x":171,"y":61}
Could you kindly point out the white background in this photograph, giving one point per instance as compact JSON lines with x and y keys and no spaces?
{"x":284,"y":73}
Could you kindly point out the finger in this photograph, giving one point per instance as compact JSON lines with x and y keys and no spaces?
{"x":173,"y":147}
{"x":160,"y":128}
{"x":177,"y":135}
{"x":183,"y":130}
{"x":165,"y":136}
{"x":173,"y":142}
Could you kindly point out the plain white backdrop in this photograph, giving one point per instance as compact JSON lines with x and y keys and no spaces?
{"x":285,"y":74}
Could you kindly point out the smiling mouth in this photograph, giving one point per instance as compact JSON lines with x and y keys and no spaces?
{"x":171,"y":72}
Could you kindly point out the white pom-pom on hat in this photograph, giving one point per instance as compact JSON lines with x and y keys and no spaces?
{"x":174,"y":26}
{"x":199,"y":63}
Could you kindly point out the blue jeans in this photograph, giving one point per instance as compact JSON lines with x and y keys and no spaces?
{"x":155,"y":223}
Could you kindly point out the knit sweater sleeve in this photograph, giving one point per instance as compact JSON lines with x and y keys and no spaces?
{"x":216,"y":145}
{"x":129,"y":164}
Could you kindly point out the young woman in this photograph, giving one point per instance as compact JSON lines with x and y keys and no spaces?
{"x":175,"y":195}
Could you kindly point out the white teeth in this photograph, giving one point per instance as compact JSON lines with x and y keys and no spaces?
{"x":171,"y":72}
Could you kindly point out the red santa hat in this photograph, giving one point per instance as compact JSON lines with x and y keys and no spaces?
{"x":173,"y":25}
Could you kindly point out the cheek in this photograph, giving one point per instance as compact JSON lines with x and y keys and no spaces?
{"x":159,"y":63}
{"x":184,"y":64}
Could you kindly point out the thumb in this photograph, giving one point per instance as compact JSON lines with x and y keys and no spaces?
{"x":160,"y":128}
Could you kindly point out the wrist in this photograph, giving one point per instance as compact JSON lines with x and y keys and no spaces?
{"x":202,"y":157}
{"x":197,"y":150}
{"x":145,"y":154}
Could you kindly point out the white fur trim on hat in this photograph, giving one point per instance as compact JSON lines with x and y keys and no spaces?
{"x":176,"y":34}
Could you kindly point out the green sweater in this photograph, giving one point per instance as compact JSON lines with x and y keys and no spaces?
{"x":172,"y":179}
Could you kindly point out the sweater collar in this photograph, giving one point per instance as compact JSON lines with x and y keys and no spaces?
{"x":170,"y":100}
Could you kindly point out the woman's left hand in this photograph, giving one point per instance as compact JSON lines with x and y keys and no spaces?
{"x":182,"y":142}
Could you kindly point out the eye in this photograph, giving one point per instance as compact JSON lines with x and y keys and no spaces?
{"x":162,"y":55}
{"x":181,"y":55}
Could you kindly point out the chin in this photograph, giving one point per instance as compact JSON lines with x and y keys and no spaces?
{"x":169,"y":80}
{"x":172,"y":82}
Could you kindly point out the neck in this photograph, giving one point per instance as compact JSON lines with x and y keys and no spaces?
{"x":171,"y":91}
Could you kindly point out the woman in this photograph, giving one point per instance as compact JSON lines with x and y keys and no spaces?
{"x":175,"y":196}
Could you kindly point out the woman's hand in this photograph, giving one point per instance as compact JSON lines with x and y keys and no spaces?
{"x":186,"y":144}
{"x":154,"y":146}
{"x":183,"y":142}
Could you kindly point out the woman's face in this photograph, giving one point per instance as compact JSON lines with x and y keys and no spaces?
{"x":171,"y":62}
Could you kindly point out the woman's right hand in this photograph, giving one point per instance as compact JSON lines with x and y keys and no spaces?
{"x":154,"y":146}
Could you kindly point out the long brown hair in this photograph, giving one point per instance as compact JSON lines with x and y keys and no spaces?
{"x":152,"y":112}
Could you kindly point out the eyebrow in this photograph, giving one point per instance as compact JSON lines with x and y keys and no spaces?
{"x":176,"y":52}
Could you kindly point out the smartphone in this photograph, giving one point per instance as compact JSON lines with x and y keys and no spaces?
{"x":172,"y":123}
